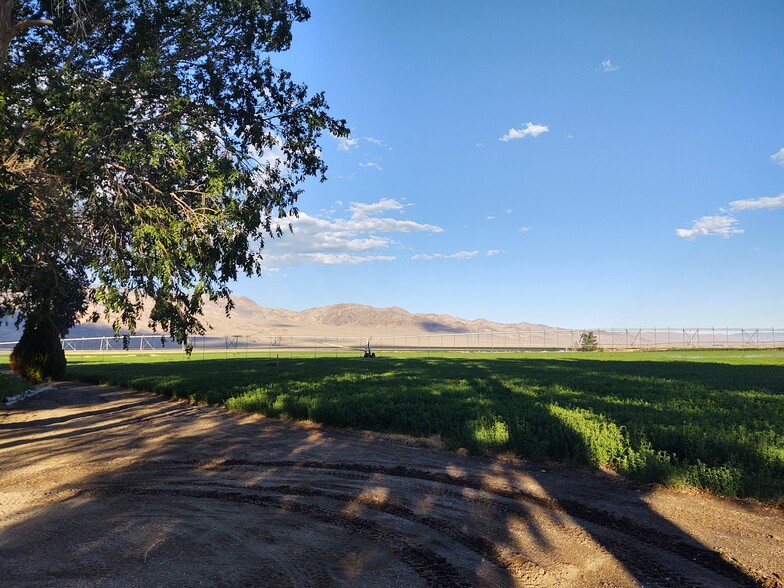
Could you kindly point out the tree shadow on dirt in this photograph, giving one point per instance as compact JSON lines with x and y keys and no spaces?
{"x":625,"y":525}
{"x":200,"y":494}
{"x":458,"y":398}
{"x":156,"y":491}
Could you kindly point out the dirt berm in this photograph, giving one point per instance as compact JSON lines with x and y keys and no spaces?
{"x":110,"y":487}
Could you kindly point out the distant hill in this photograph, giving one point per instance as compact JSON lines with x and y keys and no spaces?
{"x":249,"y":318}
{"x":251,"y":321}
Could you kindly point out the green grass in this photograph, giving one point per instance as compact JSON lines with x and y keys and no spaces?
{"x":710,"y":419}
{"x":11,"y":385}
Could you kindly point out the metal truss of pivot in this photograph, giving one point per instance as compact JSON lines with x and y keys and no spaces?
{"x":750,"y":338}
{"x":106,"y":344}
{"x":232,"y":341}
{"x":146,"y":343}
{"x":691,"y":337}
{"x":635,"y":338}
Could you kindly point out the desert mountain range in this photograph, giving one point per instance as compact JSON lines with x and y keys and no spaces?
{"x":354,"y":320}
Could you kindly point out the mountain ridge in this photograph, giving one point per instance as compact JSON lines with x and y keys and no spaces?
{"x":344,"y":319}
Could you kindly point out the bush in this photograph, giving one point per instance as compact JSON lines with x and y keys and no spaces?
{"x":589,"y":342}
{"x":39,"y":356}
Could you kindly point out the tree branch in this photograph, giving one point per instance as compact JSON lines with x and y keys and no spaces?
{"x":26,"y":24}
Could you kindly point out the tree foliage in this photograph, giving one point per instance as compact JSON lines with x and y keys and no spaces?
{"x":38,"y":356}
{"x":148,"y":148}
{"x":588,"y":341}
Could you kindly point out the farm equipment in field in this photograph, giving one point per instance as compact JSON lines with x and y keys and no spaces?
{"x":368,"y":352}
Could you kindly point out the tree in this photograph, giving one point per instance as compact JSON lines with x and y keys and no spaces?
{"x":38,"y":356}
{"x":148,"y":149}
{"x":589,"y":342}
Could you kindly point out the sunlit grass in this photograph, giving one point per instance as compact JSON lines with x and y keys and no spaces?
{"x":711,"y":419}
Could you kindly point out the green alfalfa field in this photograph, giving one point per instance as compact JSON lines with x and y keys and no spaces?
{"x":707,"y":419}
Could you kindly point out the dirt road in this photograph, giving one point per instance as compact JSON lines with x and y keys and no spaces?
{"x":110,"y":487}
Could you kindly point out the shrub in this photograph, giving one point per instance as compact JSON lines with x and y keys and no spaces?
{"x":589,"y":342}
{"x":39,"y":356}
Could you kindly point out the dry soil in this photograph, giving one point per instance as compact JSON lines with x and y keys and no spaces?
{"x":110,"y":487}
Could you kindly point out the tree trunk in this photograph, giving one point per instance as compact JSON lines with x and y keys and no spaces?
{"x":6,"y":29}
{"x":9,"y":28}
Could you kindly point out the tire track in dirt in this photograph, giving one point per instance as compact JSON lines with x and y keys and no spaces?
{"x":435,"y":570}
{"x":145,"y":476}
{"x":621,"y":527}
{"x":641,"y":548}
{"x":479,"y":545}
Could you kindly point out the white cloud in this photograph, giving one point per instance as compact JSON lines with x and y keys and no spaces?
{"x":378,"y":142}
{"x":363,"y":236}
{"x":458,"y":255}
{"x":371,"y":164}
{"x":758,"y":203}
{"x":363,"y":209}
{"x":724,"y":226}
{"x":607,"y":66}
{"x":345,"y":143}
{"x":523,"y":229}
{"x":534,"y":130}
{"x":344,"y":258}
{"x":778,"y":157}
{"x":508,"y":211}
{"x":491,"y":252}
{"x":490,"y":217}
{"x":391,"y":225}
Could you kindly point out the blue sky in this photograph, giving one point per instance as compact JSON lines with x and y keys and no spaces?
{"x":574,"y":164}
